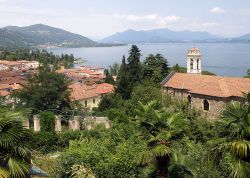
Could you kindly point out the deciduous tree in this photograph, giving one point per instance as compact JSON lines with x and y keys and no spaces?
{"x":46,"y":90}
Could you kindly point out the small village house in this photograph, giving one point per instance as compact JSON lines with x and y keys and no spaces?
{"x":18,"y":65}
{"x":98,"y":70}
{"x":90,"y":96}
{"x":83,"y":75}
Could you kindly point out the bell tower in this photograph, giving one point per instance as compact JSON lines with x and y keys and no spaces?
{"x":194,"y":61}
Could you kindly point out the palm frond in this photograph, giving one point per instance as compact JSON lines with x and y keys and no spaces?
{"x":146,"y":157}
{"x":18,"y":168}
{"x":4,"y":173}
{"x":240,"y":148}
{"x":161,"y":150}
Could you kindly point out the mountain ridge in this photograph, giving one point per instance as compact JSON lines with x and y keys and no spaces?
{"x":164,"y":35}
{"x":40,"y":35}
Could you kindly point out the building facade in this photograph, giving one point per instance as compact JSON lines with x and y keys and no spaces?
{"x":18,"y":65}
{"x":89,"y":96}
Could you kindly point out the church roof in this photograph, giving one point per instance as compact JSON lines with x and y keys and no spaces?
{"x":208,"y":85}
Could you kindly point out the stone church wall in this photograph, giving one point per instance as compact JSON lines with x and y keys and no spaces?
{"x":216,"y":104}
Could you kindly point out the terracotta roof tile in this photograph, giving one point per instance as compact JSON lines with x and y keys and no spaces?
{"x":4,"y":86}
{"x":4,"y":93}
{"x":209,"y":85}
{"x":80,"y":91}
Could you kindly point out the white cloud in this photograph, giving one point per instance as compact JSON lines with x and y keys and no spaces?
{"x":150,"y":19}
{"x":209,"y":24}
{"x":217,"y":10}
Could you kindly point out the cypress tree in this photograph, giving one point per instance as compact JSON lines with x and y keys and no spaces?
{"x":122,"y":81}
{"x":134,"y":66}
{"x":108,"y":77}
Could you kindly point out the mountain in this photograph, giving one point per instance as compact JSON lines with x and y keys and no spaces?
{"x":159,"y":36}
{"x":40,"y":35}
{"x":243,"y":38}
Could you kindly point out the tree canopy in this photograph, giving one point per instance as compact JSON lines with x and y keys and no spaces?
{"x":155,"y":68}
{"x":47,"y":90}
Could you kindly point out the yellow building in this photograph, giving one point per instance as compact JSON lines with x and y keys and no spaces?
{"x":89,"y":96}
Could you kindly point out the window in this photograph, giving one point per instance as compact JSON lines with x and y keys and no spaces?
{"x":94,"y":101}
{"x":198,"y":63}
{"x":86,"y":103}
{"x":189,"y":100}
{"x":191,"y":64}
{"x":205,"y":105}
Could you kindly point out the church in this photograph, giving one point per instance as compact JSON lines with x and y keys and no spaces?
{"x":204,"y":92}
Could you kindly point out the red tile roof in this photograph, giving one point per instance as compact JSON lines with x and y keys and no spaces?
{"x":4,"y":86}
{"x":4,"y":93}
{"x":80,"y":72}
{"x":208,"y":85}
{"x":80,"y":91}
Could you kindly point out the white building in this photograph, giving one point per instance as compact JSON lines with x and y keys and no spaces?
{"x":194,"y":61}
{"x":18,"y":65}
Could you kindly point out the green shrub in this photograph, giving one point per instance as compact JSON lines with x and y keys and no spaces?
{"x":47,"y":120}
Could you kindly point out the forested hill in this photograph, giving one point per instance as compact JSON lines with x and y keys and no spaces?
{"x":40,"y":35}
{"x":160,"y":36}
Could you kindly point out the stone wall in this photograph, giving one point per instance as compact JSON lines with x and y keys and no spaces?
{"x":74,"y":124}
{"x":216,"y":104}
{"x":91,"y":122}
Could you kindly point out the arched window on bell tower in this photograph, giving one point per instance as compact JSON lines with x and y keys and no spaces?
{"x":191,"y":64}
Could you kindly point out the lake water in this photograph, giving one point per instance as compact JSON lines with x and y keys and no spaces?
{"x":225,"y":59}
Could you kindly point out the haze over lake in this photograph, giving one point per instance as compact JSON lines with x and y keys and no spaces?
{"x":225,"y":59}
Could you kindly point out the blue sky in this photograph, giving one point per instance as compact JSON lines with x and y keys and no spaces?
{"x":100,"y":18}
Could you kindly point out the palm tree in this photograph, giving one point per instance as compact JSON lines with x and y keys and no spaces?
{"x":14,"y":155}
{"x":160,"y":129}
{"x":236,"y":121}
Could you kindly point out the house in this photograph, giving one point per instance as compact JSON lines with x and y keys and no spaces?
{"x":89,"y":96}
{"x":18,"y":65}
{"x":11,"y":81}
{"x":6,"y":90}
{"x":81,"y":74}
{"x":98,"y":70}
{"x":204,"y":92}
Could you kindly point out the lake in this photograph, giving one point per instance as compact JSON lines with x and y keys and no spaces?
{"x":225,"y":59}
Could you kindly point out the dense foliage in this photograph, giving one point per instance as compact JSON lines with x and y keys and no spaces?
{"x":14,"y":153}
{"x":47,"y":90}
